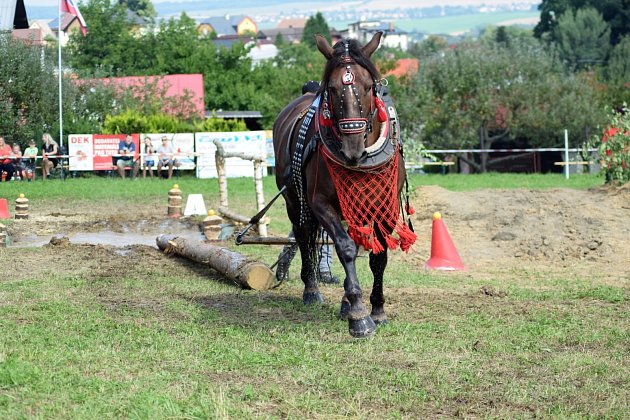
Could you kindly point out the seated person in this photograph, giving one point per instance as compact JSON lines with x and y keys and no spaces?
{"x":127,"y":151}
{"x":50,"y":150}
{"x":18,"y":164}
{"x":166,"y":155}
{"x":6,"y":164}
{"x":30,"y":159}
{"x":149,"y":158}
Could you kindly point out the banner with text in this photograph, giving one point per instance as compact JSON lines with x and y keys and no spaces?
{"x":96,"y":152}
{"x":248,"y":142}
{"x":183,"y":144}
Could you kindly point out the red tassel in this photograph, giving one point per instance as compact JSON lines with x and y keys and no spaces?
{"x":392,"y":243}
{"x":407,"y":237}
{"x":377,"y":248}
{"x":405,"y":234}
{"x":364,"y":230}
{"x":409,"y":209}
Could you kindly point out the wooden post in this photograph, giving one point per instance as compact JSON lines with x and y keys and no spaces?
{"x":3,"y":235}
{"x":21,"y":207}
{"x":174,"y":202}
{"x":260,"y":196}
{"x":221,"y":174}
{"x":237,"y":267}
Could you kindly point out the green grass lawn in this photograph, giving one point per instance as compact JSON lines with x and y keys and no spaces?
{"x":155,"y":345}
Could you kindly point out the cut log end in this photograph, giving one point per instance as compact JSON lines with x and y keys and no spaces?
{"x":257,"y":276}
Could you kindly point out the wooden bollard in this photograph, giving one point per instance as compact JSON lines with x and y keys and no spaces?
{"x":237,"y":267}
{"x":212,"y":226}
{"x":3,"y":235}
{"x":174,"y":202}
{"x":21,"y":207}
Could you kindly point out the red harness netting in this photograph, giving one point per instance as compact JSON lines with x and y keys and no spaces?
{"x":369,"y":201}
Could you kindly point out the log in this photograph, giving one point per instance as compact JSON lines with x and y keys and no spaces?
{"x":229,"y":214}
{"x":275,"y":240}
{"x":236,"y":267}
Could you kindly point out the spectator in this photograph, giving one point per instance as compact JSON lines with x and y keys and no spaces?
{"x":127,"y":151}
{"x":6,"y":166}
{"x":50,"y":150}
{"x":166,"y":155}
{"x":18,"y":164}
{"x":149,"y":157}
{"x":30,"y":160}
{"x":324,"y":274}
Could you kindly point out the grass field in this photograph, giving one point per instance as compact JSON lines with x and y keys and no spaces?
{"x":161,"y":341}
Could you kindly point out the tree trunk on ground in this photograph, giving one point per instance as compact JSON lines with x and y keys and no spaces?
{"x":237,"y":267}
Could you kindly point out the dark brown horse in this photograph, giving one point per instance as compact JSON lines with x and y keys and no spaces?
{"x":338,"y":155}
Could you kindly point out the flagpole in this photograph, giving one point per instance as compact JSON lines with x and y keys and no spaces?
{"x":60,"y":74}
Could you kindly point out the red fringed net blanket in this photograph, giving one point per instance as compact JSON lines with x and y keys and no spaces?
{"x":369,"y":201}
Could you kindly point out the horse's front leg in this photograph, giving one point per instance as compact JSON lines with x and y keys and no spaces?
{"x":360,"y":324}
{"x":378,"y":262}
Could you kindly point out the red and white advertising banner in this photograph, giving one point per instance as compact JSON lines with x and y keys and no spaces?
{"x":96,"y":152}
{"x":183,"y":144}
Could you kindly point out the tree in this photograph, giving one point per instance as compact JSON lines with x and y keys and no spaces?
{"x":615,"y":12}
{"x":105,"y":50}
{"x":29,"y":88}
{"x":583,"y":38}
{"x":143,"y":8}
{"x":481,"y":93}
{"x":619,"y":63}
{"x":502,"y":37}
{"x":315,"y":25}
{"x":429,"y":46}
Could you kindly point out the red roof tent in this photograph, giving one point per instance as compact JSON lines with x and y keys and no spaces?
{"x":175,"y":85}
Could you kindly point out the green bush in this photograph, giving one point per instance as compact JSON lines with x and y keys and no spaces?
{"x":614,"y":149}
{"x":215,"y":124}
{"x":130,"y":121}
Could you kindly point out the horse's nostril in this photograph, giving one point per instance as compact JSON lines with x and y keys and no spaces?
{"x":363,"y":155}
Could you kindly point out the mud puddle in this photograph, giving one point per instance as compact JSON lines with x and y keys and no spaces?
{"x":141,"y":233}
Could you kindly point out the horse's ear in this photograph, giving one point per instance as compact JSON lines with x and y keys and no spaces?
{"x":323,"y":46}
{"x":371,"y":46}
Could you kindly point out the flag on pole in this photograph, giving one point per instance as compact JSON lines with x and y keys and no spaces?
{"x":69,"y":6}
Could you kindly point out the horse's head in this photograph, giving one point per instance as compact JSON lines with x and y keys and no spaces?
{"x":348,"y":92}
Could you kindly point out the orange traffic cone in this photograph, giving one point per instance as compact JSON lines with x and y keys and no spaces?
{"x":4,"y":209}
{"x":444,"y":256}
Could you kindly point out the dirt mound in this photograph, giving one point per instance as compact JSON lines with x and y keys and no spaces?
{"x":559,"y":225}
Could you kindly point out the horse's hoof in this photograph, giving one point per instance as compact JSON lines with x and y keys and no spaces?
{"x":311,"y":298}
{"x":344,"y":310}
{"x":380,"y":321}
{"x":361,"y":328}
{"x":379,"y":318}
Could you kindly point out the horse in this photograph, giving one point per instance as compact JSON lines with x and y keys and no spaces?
{"x":339,"y":157}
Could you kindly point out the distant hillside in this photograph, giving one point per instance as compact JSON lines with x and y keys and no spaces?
{"x":460,"y":19}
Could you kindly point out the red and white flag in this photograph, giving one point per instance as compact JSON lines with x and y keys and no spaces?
{"x":69,"y":6}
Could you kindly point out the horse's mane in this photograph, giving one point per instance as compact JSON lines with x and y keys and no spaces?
{"x":356,"y":53}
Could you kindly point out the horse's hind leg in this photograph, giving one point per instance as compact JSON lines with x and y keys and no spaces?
{"x":306,"y":241}
{"x":378,"y":262}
